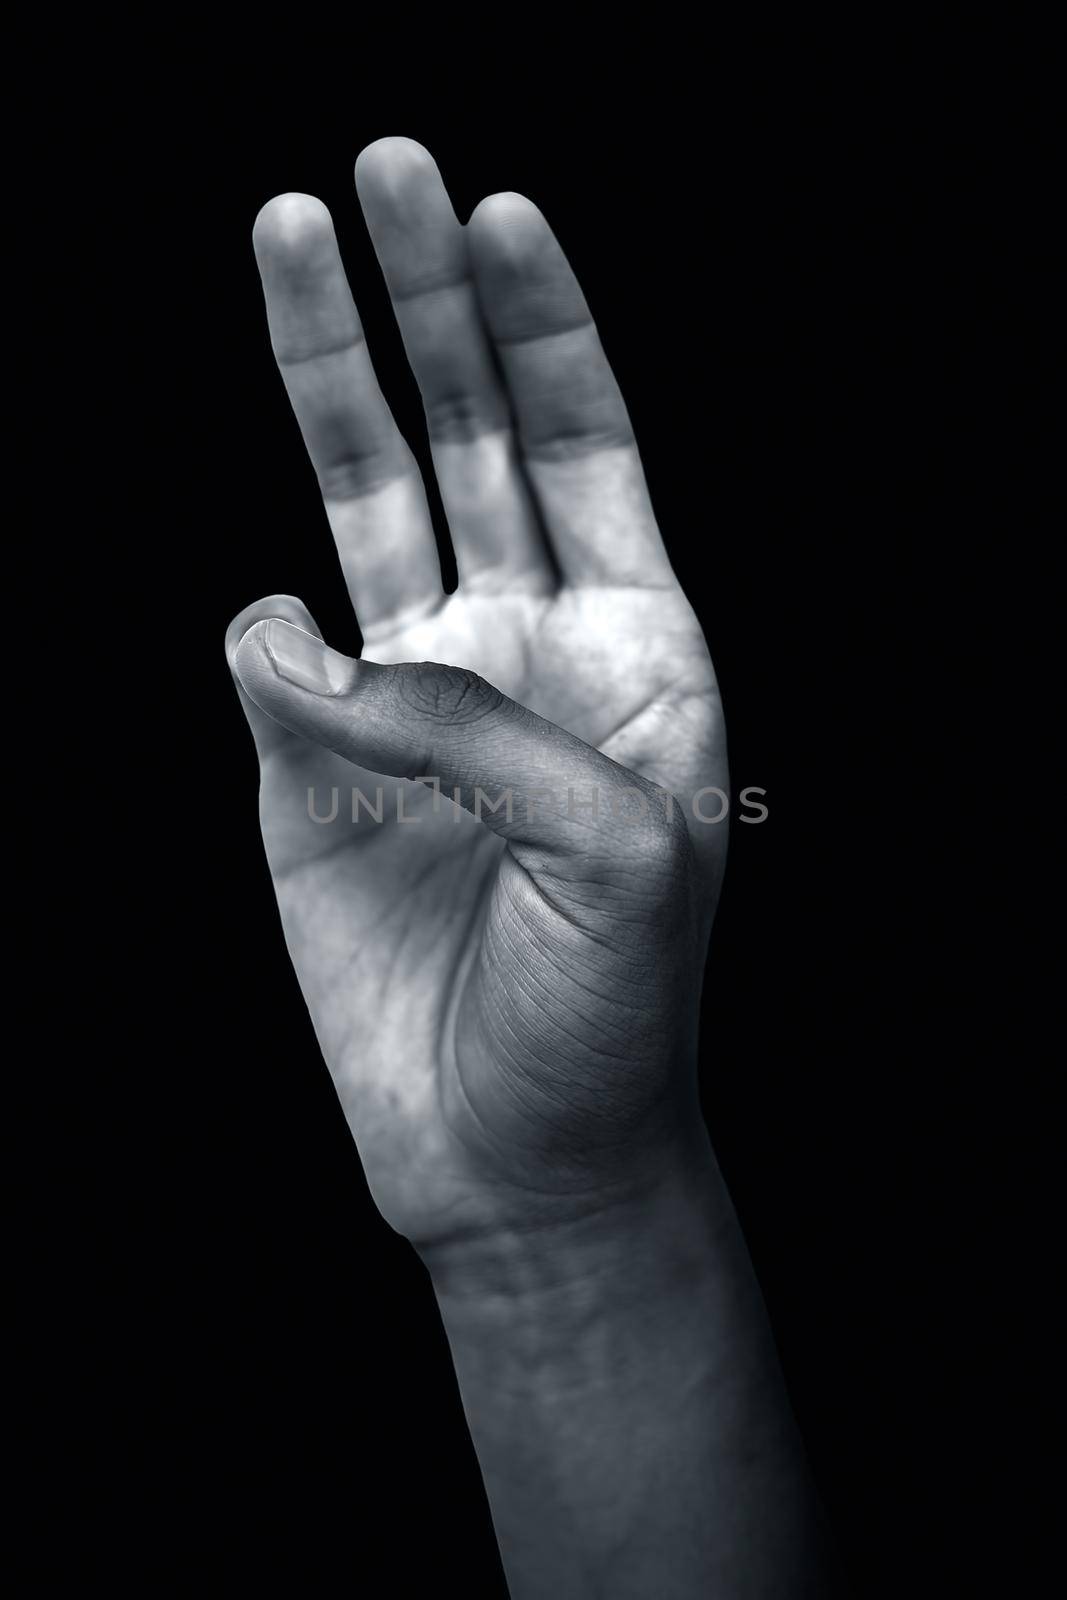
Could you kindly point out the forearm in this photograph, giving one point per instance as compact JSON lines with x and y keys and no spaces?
{"x":626,"y":1405}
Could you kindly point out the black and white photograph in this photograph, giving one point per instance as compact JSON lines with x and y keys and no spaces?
{"x":539,"y":1124}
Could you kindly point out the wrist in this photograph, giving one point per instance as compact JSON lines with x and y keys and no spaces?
{"x":626,"y":1251}
{"x":621,"y":1360}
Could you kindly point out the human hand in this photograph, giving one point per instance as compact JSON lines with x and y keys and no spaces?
{"x":508,"y":1007}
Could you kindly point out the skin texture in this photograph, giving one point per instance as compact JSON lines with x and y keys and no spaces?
{"x":508,"y":1005}
{"x":434,"y":962}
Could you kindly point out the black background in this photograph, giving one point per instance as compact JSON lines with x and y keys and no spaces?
{"x":771,"y":238}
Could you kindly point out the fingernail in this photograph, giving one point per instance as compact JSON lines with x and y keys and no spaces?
{"x":305,"y":660}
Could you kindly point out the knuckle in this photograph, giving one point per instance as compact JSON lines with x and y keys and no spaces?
{"x":662,"y":847}
{"x":669,"y":846}
{"x":357,"y":471}
{"x":455,"y":417}
{"x":447,"y":694}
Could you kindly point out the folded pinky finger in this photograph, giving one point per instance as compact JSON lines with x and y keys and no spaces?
{"x":269,"y":735}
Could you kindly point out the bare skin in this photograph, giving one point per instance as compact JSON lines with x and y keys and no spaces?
{"x":508,"y":1005}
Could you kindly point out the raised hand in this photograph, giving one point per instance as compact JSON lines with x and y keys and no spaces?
{"x":508,"y":1007}
{"x":500,"y":925}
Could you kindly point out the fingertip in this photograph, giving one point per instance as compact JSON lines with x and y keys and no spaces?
{"x":410,"y":217}
{"x":526,"y":285}
{"x":252,"y":638}
{"x":251,"y":660}
{"x":509,"y":221}
{"x":287,"y":606}
{"x":289,"y":222}
{"x":391,"y":159}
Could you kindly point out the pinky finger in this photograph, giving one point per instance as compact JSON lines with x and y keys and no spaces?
{"x":269,"y":735}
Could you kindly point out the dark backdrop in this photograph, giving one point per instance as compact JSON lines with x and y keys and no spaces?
{"x":769,"y":244}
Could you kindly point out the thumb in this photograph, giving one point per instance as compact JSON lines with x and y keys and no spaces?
{"x":547,"y":792}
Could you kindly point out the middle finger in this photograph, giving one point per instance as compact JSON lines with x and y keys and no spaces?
{"x":423,"y":254}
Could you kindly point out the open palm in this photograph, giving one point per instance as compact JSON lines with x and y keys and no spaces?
{"x":507,"y":1007}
